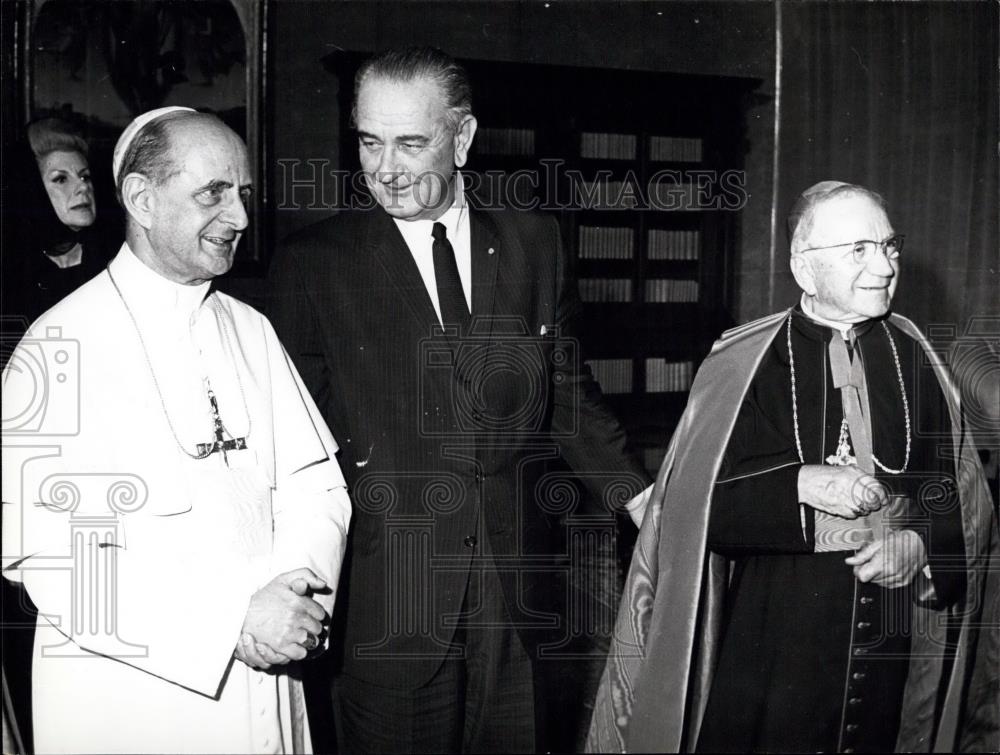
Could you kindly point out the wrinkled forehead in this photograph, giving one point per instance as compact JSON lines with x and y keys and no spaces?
{"x":208,"y":149}
{"x":847,"y":218}
{"x":394,"y":102}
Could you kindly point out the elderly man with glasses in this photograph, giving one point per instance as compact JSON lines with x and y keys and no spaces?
{"x":812,"y":562}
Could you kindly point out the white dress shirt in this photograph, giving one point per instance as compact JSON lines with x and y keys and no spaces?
{"x":418,"y":238}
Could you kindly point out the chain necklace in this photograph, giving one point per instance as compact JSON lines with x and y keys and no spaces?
{"x":204,"y":450}
{"x":842,"y":442}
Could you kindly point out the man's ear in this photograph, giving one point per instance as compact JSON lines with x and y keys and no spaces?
{"x":803,"y":272}
{"x":138,"y":198}
{"x":463,"y":139}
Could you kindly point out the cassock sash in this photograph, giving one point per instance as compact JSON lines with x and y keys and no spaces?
{"x":833,"y":533}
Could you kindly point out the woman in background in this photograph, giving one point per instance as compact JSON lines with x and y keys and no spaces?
{"x":53,"y":212}
{"x":52,"y":249}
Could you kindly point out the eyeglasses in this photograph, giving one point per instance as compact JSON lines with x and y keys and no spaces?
{"x":863,"y":251}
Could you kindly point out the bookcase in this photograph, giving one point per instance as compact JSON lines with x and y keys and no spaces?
{"x":644,"y":172}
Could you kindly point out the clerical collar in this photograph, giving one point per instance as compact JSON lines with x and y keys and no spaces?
{"x":452,"y":219}
{"x":845,"y":328}
{"x":147,"y":289}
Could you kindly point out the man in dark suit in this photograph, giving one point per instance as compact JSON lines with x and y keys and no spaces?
{"x":440,"y":342}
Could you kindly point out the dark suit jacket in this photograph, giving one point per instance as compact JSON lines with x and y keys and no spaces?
{"x":445,"y":441}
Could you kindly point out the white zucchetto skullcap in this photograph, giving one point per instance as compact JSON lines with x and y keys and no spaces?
{"x":132,"y":131}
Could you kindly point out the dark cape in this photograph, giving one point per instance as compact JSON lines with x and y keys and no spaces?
{"x":670,"y":629}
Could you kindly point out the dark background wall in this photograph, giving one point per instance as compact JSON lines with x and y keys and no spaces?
{"x":719,"y":38}
{"x":896,"y":95}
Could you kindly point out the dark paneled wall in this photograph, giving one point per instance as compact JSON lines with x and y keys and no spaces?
{"x":721,"y":38}
{"x":881,"y":67}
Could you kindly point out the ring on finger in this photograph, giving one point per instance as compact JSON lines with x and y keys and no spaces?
{"x":311,"y":642}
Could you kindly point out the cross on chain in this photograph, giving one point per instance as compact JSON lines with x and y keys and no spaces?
{"x":221,"y":443}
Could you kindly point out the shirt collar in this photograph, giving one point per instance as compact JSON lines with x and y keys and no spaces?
{"x":453,"y":218}
{"x":845,"y":328}
{"x":148,"y":290}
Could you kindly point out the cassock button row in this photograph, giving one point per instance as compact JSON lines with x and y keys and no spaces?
{"x":865,"y":601}
{"x":852,"y":728}
{"x":860,"y":651}
{"x":854,"y":701}
{"x":470,"y":541}
{"x":864,"y":624}
{"x":857,"y":676}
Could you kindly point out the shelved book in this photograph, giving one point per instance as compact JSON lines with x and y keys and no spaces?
{"x":613,"y":375}
{"x":668,"y":377}
{"x":608,"y":195}
{"x":607,"y":146}
{"x":596,"y":243}
{"x":674,"y":149}
{"x":669,"y":195}
{"x":669,"y":291}
{"x":673,"y":245}
{"x":605,"y":290}
{"x":505,"y":141}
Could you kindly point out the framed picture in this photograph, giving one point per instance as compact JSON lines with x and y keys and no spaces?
{"x":99,"y":63}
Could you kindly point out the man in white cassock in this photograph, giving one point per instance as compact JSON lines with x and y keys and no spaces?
{"x":172,"y":502}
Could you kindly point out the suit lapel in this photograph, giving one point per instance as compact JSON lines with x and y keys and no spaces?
{"x":385,"y":243}
{"x":486,"y":251}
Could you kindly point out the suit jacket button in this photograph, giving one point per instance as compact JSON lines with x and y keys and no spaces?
{"x":470,"y":541}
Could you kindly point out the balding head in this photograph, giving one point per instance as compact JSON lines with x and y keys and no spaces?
{"x":802,"y":217}
{"x":185,"y":183}
{"x":841,"y":280}
{"x":148,"y":149}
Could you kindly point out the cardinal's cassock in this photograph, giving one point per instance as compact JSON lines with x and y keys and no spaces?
{"x":811,"y":658}
{"x":741,"y":628}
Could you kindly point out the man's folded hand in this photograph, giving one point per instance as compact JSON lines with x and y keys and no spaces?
{"x":283,"y":623}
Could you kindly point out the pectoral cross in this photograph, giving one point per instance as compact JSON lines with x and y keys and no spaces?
{"x":842,"y":457}
{"x":221,"y":443}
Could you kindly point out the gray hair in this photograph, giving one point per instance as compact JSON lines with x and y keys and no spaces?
{"x":149,"y":151}
{"x":803,"y":215}
{"x":412,"y":63}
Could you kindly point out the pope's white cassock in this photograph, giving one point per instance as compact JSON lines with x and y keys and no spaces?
{"x":146,"y":556}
